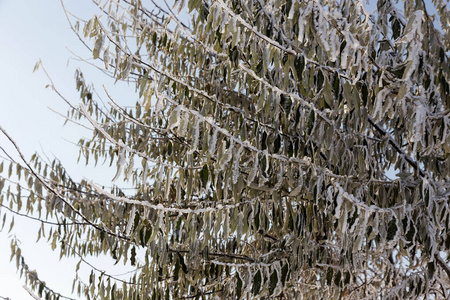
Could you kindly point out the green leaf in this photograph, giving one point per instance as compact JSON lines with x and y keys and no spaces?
{"x":174,"y":119}
{"x":284,"y":273}
{"x":136,"y":220}
{"x":337,"y":279}
{"x":402,"y":91}
{"x":238,"y":286}
{"x":234,"y":55}
{"x":41,"y":289}
{"x":263,"y":141}
{"x":133,"y":256}
{"x":391,"y":230}
{"x":310,"y":124}
{"x":347,"y":278}
{"x":329,"y":276}
{"x":273,"y":281}
{"x":277,"y":144}
{"x":396,"y":29}
{"x":183,"y":265}
{"x":256,"y":283}
{"x":176,"y":271}
{"x":11,"y":225}
{"x":431,"y":268}
{"x":364,"y":94}
{"x":320,"y":80}
{"x":98,"y":46}
{"x":37,"y":65}
{"x":299,"y":65}
{"x":348,"y":94}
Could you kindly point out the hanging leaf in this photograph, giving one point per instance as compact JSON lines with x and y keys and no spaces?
{"x":238,"y":286}
{"x":204,"y":176}
{"x":273,"y":282}
{"x":299,"y":65}
{"x":257,"y":280}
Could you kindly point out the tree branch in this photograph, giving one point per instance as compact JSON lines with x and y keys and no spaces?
{"x":397,"y":147}
{"x":443,"y":264}
{"x":56,"y":193}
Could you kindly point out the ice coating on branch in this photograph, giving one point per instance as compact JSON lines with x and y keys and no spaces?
{"x":339,"y":201}
{"x":352,"y":149}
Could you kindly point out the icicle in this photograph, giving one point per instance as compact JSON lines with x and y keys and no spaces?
{"x":254,"y":170}
{"x":345,"y":52}
{"x":280,"y":177}
{"x":292,"y":11}
{"x":106,"y":58}
{"x":302,"y":21}
{"x":174,"y":119}
{"x":161,"y":176}
{"x":357,"y":64}
{"x":120,"y":164}
{"x":131,"y":220}
{"x":266,"y":153}
{"x":129,"y":168}
{"x":319,"y":183}
{"x":159,"y":105}
{"x":236,"y":159}
{"x":334,"y":43}
{"x":226,"y":156}
{"x":212,"y":142}
{"x":196,"y":137}
{"x":419,"y":125}
{"x":126,"y":72}
{"x":339,"y":201}
{"x":320,"y":28}
{"x":184,"y":125}
{"x":233,"y":24}
{"x":379,"y":103}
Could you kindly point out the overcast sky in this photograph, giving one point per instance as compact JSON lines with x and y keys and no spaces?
{"x":29,"y":31}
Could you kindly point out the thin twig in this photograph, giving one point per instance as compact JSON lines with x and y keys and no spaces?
{"x":57,"y":194}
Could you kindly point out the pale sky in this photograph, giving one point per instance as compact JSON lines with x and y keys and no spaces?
{"x":29,"y":31}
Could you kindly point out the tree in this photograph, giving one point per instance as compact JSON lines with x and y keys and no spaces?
{"x":259,"y":153}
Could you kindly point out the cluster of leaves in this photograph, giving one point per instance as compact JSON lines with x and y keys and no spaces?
{"x":259,"y":150}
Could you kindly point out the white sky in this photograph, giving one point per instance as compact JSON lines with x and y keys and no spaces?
{"x":29,"y":32}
